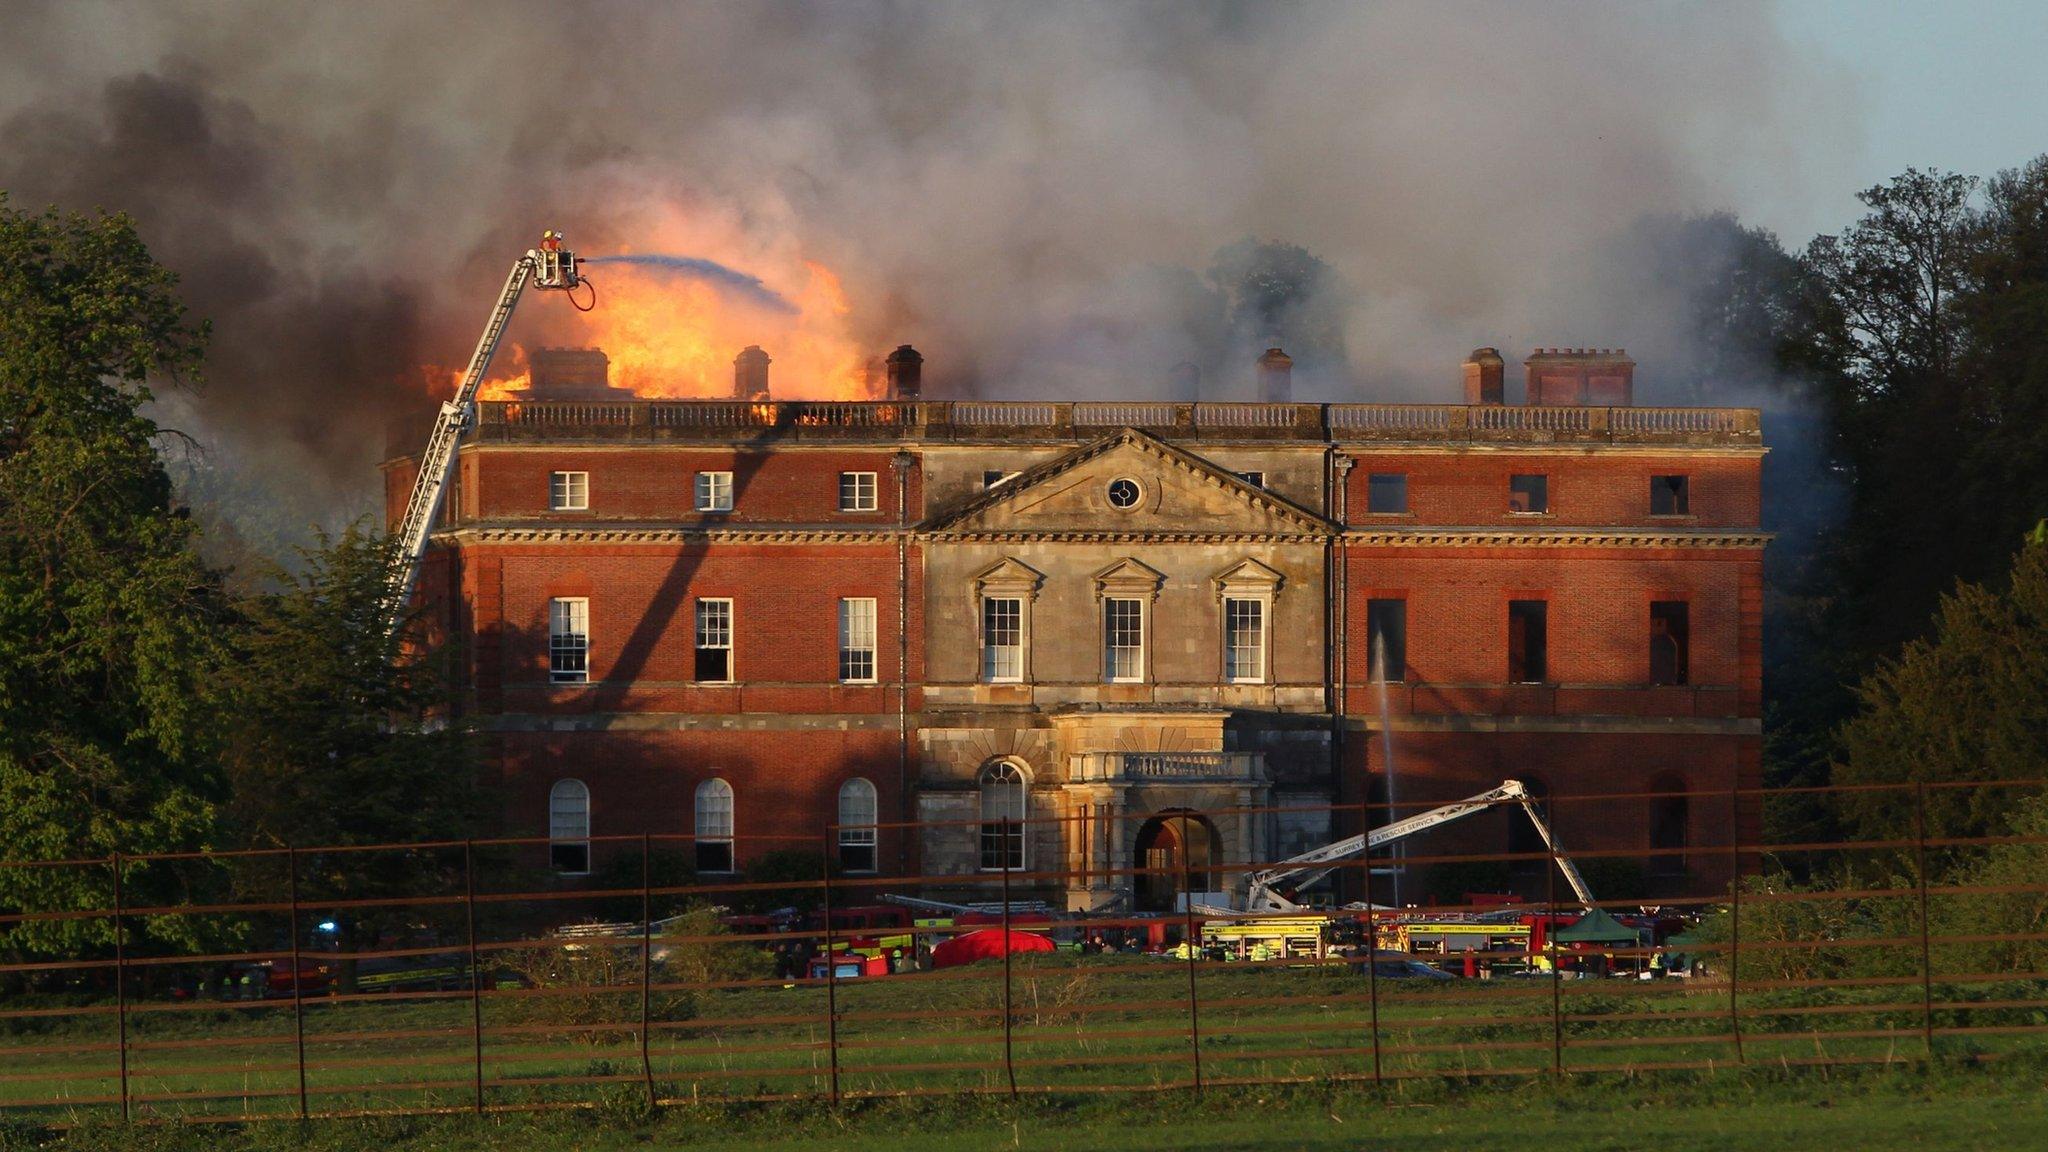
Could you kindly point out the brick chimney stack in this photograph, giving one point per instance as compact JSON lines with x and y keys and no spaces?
{"x":1276,"y":377}
{"x":1485,"y":377}
{"x":1184,"y":383}
{"x":904,"y":370}
{"x":1600,"y":377}
{"x":750,"y":374}
{"x":568,"y":373}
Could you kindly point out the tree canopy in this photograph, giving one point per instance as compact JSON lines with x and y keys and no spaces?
{"x":109,"y":623}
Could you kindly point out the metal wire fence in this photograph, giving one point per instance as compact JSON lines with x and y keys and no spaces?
{"x":472,"y":976}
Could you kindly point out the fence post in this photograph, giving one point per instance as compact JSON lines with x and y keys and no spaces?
{"x":1009,"y":1059}
{"x":120,"y":986}
{"x":831,"y":978}
{"x":476,"y":975}
{"x":646,"y":958}
{"x":1556,"y":967}
{"x":1735,"y":913}
{"x":291,"y":856}
{"x":1372,"y":945}
{"x":1926,"y":951}
{"x":1189,"y":941}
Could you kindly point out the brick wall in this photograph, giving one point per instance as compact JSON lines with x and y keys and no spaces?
{"x":1586,"y":489}
{"x":782,"y":485}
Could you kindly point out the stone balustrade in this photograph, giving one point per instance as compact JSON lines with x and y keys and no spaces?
{"x":939,"y":421}
{"x":1167,"y":767}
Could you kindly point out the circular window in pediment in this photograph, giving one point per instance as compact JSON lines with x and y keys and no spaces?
{"x":1124,"y":493}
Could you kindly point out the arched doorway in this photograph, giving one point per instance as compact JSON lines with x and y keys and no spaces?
{"x":1170,"y":845}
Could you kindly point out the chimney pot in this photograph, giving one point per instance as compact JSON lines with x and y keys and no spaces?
{"x":1276,"y":377}
{"x":904,"y":370}
{"x":1485,"y":377}
{"x":750,"y":374}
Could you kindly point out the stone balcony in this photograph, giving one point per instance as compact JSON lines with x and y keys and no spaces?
{"x":1243,"y":768}
{"x":983,"y":421}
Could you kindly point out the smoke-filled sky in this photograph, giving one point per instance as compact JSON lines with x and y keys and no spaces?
{"x":1030,"y":193}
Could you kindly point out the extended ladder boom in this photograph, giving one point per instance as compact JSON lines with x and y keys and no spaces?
{"x":1311,"y":866}
{"x":549,"y":266}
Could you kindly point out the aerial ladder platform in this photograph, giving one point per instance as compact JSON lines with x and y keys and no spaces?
{"x":1298,"y":872}
{"x":548,"y":267}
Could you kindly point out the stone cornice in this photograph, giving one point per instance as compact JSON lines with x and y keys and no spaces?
{"x":669,"y":534}
{"x":1468,"y":537}
{"x":1555,"y":538}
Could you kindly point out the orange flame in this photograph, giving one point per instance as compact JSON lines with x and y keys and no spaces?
{"x":670,"y":335}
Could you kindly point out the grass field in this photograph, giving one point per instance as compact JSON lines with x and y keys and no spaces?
{"x":1923,"y":1108}
{"x":1079,"y":1026}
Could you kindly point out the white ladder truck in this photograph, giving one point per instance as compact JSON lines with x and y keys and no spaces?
{"x":1299,"y":872}
{"x":549,"y":266}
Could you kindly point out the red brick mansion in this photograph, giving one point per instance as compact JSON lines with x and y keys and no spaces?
{"x":1166,"y":623}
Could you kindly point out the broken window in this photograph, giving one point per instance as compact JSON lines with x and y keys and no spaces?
{"x":569,"y":827}
{"x":1670,"y":825}
{"x":1523,"y":836}
{"x":714,"y":641}
{"x":1528,"y":641}
{"x":1669,"y":633}
{"x":857,"y":817}
{"x":1386,"y":632}
{"x":1255,"y":479}
{"x":1004,"y":804}
{"x":1529,"y":493}
{"x":1670,"y":495}
{"x":714,"y":826}
{"x":1386,"y":492}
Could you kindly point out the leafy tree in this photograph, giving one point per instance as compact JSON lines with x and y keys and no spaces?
{"x":1284,"y":291}
{"x":332,"y":733}
{"x":109,"y":622}
{"x":331,"y":737}
{"x":1969,"y":703}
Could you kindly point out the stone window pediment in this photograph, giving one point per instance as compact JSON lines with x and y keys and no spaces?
{"x":1129,"y":578}
{"x":1009,"y":577}
{"x":1248,"y":578}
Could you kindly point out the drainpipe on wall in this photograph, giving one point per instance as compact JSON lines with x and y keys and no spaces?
{"x":901,"y":464}
{"x":1340,"y":466}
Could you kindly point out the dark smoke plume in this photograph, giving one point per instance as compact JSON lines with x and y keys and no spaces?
{"x":1048,"y":199}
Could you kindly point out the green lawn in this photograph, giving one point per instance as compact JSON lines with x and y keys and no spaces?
{"x":1079,"y":1025}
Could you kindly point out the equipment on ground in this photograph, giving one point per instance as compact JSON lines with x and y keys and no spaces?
{"x":1299,"y":872}
{"x":548,"y":267}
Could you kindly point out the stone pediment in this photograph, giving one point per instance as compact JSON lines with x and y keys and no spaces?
{"x":1009,"y":575}
{"x":1129,"y":577}
{"x":1248,"y":577}
{"x":1128,"y":485}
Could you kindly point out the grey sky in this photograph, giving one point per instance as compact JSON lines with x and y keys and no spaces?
{"x":1954,"y":84}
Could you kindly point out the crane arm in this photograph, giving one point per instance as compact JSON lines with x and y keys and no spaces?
{"x":549,"y":266}
{"x":1317,"y":863}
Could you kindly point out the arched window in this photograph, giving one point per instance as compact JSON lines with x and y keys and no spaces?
{"x":714,"y":826}
{"x":1670,"y":825}
{"x":569,"y":827}
{"x":1522,"y":835}
{"x":1004,"y":789}
{"x":857,"y":825}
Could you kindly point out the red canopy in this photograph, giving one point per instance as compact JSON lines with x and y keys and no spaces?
{"x":985,"y":944}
